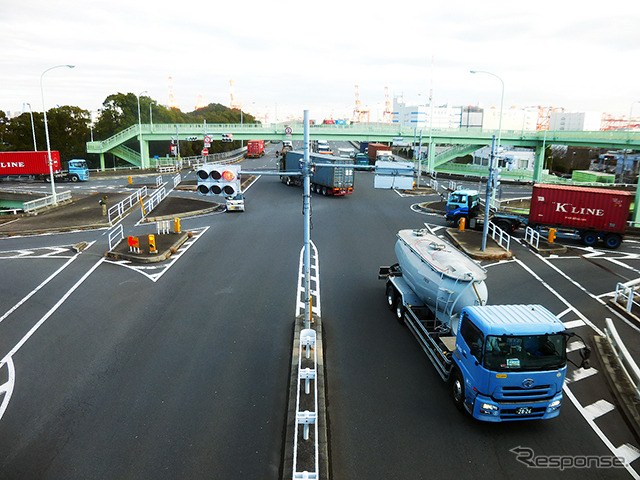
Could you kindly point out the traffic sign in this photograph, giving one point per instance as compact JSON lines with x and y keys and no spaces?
{"x":288,"y":130}
{"x":208,"y":139}
{"x":207,"y":144}
{"x":205,"y":151}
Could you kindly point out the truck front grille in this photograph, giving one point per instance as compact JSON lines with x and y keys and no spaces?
{"x":537,"y":392}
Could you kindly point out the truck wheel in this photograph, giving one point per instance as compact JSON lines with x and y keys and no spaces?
{"x":47,"y":179}
{"x":612,"y":240}
{"x":74,"y":178}
{"x":391,"y":297}
{"x":504,"y":225}
{"x":399,"y":310}
{"x":288,"y":181}
{"x":589,"y":238}
{"x":324,"y":191}
{"x":457,"y":389}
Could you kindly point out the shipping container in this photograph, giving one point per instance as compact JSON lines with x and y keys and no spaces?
{"x":581,"y":208}
{"x":373,"y":150}
{"x":255,"y":148}
{"x":325,"y":180}
{"x":28,"y":163}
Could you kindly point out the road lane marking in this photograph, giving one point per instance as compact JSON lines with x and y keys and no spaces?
{"x":573,"y":324}
{"x":580,"y":374}
{"x":598,"y":409}
{"x":6,"y":389}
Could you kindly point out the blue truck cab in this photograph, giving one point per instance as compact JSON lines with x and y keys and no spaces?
{"x":77,"y":170}
{"x":462,"y":203}
{"x":509,"y":362}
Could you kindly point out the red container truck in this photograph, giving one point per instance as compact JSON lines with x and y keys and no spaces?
{"x":36,"y":164}
{"x":373,"y":150}
{"x":255,"y":148}
{"x":575,"y":212}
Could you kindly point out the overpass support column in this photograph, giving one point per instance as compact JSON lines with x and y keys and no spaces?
{"x":636,"y":208}
{"x":102,"y":166}
{"x":539,"y":164}
{"x":431,"y":155}
{"x":144,"y":153}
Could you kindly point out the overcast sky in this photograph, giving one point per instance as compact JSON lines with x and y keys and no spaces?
{"x":288,"y":56}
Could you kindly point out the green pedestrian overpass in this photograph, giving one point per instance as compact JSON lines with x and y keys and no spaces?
{"x":461,"y":141}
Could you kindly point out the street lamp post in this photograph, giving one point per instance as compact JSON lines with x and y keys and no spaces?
{"x":142,"y":165}
{"x":46,"y":131}
{"x":33,"y":128}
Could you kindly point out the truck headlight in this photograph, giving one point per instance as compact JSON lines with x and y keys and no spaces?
{"x":488,"y":406}
{"x":555,"y":404}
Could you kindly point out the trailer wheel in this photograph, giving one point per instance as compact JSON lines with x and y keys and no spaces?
{"x":589,"y":238}
{"x":287,"y":181}
{"x":391,"y":297}
{"x":399,"y":309}
{"x":47,"y":179}
{"x":457,"y":389}
{"x":612,"y":240}
{"x":504,"y":225}
{"x":324,"y":191}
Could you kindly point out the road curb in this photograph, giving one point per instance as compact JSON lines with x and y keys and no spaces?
{"x":476,"y":254}
{"x":193,"y":213}
{"x":139,"y":258}
{"x":305,"y":455}
{"x":619,"y":384}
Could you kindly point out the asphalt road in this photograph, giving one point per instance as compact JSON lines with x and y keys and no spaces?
{"x":180,"y":369}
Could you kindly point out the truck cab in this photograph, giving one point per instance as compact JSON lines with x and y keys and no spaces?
{"x":384,"y":156}
{"x":509,"y":362}
{"x":462,"y":203}
{"x":77,"y":170}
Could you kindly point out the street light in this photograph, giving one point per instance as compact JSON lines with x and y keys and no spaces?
{"x":33,"y":129}
{"x":494,"y":148}
{"x":140,"y":131}
{"x":46,"y":131}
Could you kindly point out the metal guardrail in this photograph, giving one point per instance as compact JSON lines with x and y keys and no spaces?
{"x":499,"y":235}
{"x":43,"y":202}
{"x":118,"y":209}
{"x":153,"y":201}
{"x":213,"y":158}
{"x":177,"y":178}
{"x":626,"y":362}
{"x":532,"y":237}
{"x":627,"y":292}
{"x":116,"y":233}
{"x":158,"y":180}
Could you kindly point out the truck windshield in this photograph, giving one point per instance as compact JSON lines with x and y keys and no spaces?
{"x":510,"y":353}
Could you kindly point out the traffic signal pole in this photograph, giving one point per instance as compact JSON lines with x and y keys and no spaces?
{"x":307,"y":224}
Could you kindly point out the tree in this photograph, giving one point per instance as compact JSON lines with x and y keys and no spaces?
{"x":3,"y":129}
{"x":20,"y":134}
{"x":69,"y":131}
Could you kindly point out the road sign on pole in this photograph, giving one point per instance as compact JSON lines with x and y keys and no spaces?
{"x":205,"y":151}
{"x":208,"y":139}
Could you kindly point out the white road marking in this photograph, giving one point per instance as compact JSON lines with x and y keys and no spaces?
{"x":6,"y":389}
{"x":580,"y":374}
{"x":628,"y":452}
{"x":573,"y":324}
{"x":598,"y":409}
{"x":573,"y":346}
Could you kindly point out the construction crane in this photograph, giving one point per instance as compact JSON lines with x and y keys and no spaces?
{"x":172,"y":98}
{"x":387,"y":115}
{"x":359,"y":115}
{"x":233,"y":104}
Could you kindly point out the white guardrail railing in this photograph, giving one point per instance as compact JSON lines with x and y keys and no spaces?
{"x":627,"y":292}
{"x":532,"y":237}
{"x":153,"y":201}
{"x":626,"y":362}
{"x":115,"y":235}
{"x":118,"y":209}
{"x":499,"y":235}
{"x":39,"y":203}
{"x":177,"y":178}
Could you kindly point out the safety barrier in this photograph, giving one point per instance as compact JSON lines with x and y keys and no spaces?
{"x":177,"y":178}
{"x":627,"y":293}
{"x":532,"y":237}
{"x":118,"y":209}
{"x":163,"y":227}
{"x":499,"y":235}
{"x":307,"y":372}
{"x":625,"y":361}
{"x":158,"y":180}
{"x":43,"y":202}
{"x":153,"y":201}
{"x":116,"y":233}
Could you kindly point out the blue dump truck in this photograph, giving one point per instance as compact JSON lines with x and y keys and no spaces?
{"x":325,"y":180}
{"x":501,"y":362}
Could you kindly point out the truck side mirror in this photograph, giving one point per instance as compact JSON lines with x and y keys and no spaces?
{"x":585,"y":353}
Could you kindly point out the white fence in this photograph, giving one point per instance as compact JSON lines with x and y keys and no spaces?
{"x":532,"y":237}
{"x":627,"y":292}
{"x":177,"y":178}
{"x":625,"y":361}
{"x":45,"y":201}
{"x":118,"y":209}
{"x":115,"y":235}
{"x":499,"y":235}
{"x":153,"y":201}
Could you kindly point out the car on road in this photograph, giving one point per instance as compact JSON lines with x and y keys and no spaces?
{"x":235,"y":203}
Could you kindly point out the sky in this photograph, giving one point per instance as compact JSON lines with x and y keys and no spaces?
{"x":288,"y":56}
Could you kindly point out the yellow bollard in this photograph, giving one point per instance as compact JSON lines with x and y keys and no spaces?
{"x":552,"y":235}
{"x":152,"y":243}
{"x":462,"y":224}
{"x":176,"y":225}
{"x":130,"y":180}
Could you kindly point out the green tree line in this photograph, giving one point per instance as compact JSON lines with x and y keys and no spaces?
{"x":70,"y":128}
